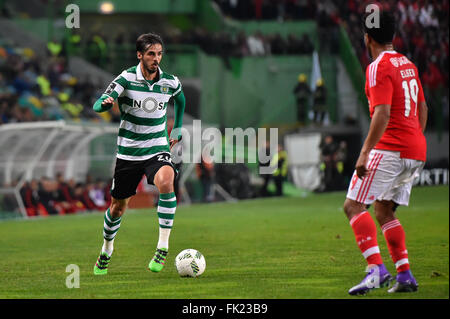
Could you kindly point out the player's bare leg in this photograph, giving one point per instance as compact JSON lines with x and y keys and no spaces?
{"x":353,"y":208}
{"x":167,"y":204}
{"x":365,"y":232}
{"x":395,"y":238}
{"x":164,"y":179}
{"x":111,"y":225}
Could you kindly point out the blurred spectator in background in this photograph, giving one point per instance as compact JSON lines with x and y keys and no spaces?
{"x":279,"y":164}
{"x":31,"y":199}
{"x":278,"y":45}
{"x":67,"y":194}
{"x":96,"y":193}
{"x":294,"y":44}
{"x":82,"y":194}
{"x":205,"y":173}
{"x":48,"y":195}
{"x":266,"y":177}
{"x":306,"y":45}
{"x":280,"y":161}
{"x":97,"y":50}
{"x":54,"y":48}
{"x":257,"y":44}
{"x":241,"y":49}
{"x":319,"y":102}
{"x":63,"y":197}
{"x":341,"y":158}
{"x":329,"y":163}
{"x":302,"y":93}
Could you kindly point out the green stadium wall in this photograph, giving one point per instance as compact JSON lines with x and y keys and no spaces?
{"x":353,"y":66}
{"x":258,"y":91}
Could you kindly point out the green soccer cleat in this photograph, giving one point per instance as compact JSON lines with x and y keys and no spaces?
{"x":101,"y":266}
{"x":158,"y":260}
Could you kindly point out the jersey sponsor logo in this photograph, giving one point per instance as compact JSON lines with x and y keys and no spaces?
{"x":136,"y":84}
{"x":399,"y":61}
{"x":149,"y":105}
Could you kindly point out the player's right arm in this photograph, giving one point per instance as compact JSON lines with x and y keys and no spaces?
{"x":114,"y":90}
{"x":380,"y":89}
{"x":104,"y":103}
{"x":378,"y":124}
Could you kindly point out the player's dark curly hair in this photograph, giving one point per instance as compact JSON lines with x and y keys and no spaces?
{"x":146,"y":40}
{"x":385,"y":32}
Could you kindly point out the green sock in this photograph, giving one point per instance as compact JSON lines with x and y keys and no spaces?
{"x":110,"y":228}
{"x":167,"y":205}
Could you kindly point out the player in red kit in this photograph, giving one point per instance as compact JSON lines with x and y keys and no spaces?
{"x":392,"y":155}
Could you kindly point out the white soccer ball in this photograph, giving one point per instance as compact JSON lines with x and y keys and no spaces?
{"x":190,"y":263}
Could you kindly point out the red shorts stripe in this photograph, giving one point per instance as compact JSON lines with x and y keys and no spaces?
{"x":372,"y":176}
{"x":365,"y":181}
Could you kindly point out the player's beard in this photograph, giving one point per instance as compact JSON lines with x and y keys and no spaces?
{"x":152,"y":68}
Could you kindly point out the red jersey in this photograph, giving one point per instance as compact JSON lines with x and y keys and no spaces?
{"x":394,"y":80}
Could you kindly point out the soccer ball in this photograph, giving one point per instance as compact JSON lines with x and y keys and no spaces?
{"x":190,"y":263}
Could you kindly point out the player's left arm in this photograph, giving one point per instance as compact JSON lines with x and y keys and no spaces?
{"x":179,"y":106}
{"x":422,"y":108}
{"x":423,"y":115}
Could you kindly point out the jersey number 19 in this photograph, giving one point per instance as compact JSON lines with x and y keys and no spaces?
{"x":411,"y":91}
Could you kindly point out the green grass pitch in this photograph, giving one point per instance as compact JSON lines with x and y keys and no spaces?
{"x":290,"y":248}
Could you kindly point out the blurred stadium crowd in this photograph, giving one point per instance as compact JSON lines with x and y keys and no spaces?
{"x":280,"y":10}
{"x":423,"y":36}
{"x":45,"y":196}
{"x":33,"y":90}
{"x":36,"y":90}
{"x":257,"y":44}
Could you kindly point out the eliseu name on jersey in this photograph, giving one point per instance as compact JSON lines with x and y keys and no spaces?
{"x":408,"y":73}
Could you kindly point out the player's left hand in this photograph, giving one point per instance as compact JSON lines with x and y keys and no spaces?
{"x":361,"y":165}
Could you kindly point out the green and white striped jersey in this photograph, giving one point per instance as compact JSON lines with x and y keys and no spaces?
{"x":143,"y":106}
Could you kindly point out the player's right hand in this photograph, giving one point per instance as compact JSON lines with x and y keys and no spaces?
{"x":108,"y":100}
{"x":361,"y":165}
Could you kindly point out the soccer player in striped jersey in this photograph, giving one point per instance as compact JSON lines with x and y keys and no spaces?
{"x":142,"y":93}
{"x":393,"y":154}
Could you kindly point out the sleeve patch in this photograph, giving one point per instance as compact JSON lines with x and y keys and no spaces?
{"x":110,"y":88}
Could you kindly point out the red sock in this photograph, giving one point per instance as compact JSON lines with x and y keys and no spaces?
{"x":395,"y":238}
{"x":366,"y":237}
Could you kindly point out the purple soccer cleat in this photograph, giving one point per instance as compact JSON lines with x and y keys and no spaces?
{"x":377,"y":277}
{"x":405,"y":283}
